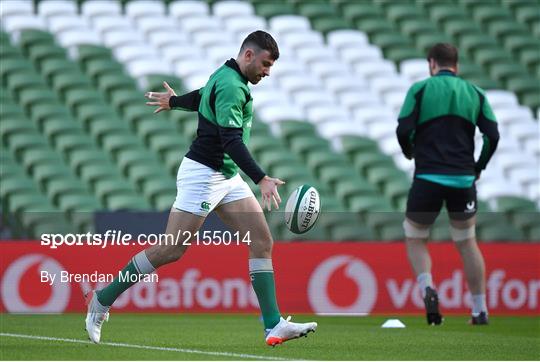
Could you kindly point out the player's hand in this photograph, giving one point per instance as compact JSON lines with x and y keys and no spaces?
{"x":270,"y":194}
{"x":162,"y":99}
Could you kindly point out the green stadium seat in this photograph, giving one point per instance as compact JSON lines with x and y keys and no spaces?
{"x":528,"y":15}
{"x":71,"y":82}
{"x":316,"y":10}
{"x":86,"y":156}
{"x":372,"y":27}
{"x":92,"y":174}
{"x":4,"y":37}
{"x":346,"y":189}
{"x":132,"y":157}
{"x":87,"y":113}
{"x":531,"y":100}
{"x":369,"y":203}
{"x":19,"y":143}
{"x":30,"y":38}
{"x":11,"y":126}
{"x":75,"y":98}
{"x":530,"y":58}
{"x":117,"y":202}
{"x":366,"y":160}
{"x":270,"y":9}
{"x":521,"y":85}
{"x":444,"y":12}
{"x":474,"y":43}
{"x":39,"y":53}
{"x":440,"y":232}
{"x":381,"y":174}
{"x":96,"y":68}
{"x":489,"y":56}
{"x":534,"y":233}
{"x":303,"y":145}
{"x":392,"y":232}
{"x":110,"y":83}
{"x":502,"y":30}
{"x":154,"y":83}
{"x":355,"y":11}
{"x":399,"y":12}
{"x":30,"y":98}
{"x":51,"y":68}
{"x":60,"y":126}
{"x":484,"y":82}
{"x":326,"y":25}
{"x":259,"y":144}
{"x":68,"y":143}
{"x":29,"y":202}
{"x":425,"y":41}
{"x":333,"y":173}
{"x":76,"y":203}
{"x":10,"y":66}
{"x":400,"y":53}
{"x":189,"y":128}
{"x":87,"y":52}
{"x":20,"y":81}
{"x":486,"y":14}
{"x":498,"y":232}
{"x":42,"y":113}
{"x":352,"y":232}
{"x":515,"y":204}
{"x":377,"y":220}
{"x":291,"y":173}
{"x":273,"y":158}
{"x":16,"y":185}
{"x":43,"y":173}
{"x":390,"y":40}
{"x":123,"y":99}
{"x":356,"y":144}
{"x":317,"y":160}
{"x":142,"y":172}
{"x":58,"y":188}
{"x":170,"y":142}
{"x":460,"y":27}
{"x":416,"y":27}
{"x":506,"y":71}
{"x":396,"y":190}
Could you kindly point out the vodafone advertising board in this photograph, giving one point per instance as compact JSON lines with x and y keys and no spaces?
{"x":327,"y":278}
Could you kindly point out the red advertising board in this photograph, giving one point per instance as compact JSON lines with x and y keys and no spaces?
{"x":327,"y":278}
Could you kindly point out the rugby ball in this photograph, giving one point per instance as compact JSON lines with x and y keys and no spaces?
{"x":302,"y":209}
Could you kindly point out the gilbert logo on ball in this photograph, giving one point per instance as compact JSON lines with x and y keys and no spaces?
{"x":302,"y":209}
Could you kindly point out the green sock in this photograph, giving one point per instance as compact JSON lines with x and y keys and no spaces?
{"x":262,"y":279}
{"x":138,"y":265}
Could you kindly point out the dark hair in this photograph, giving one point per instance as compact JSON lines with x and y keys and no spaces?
{"x":444,"y":54}
{"x":261,"y":40}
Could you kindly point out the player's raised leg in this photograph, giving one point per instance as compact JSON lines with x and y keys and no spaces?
{"x":143,"y":263}
{"x":246,"y":216}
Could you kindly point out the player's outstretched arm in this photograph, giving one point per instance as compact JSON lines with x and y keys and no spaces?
{"x":168,"y":100}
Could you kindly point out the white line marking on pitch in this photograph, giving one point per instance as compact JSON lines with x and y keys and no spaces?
{"x":138,"y":346}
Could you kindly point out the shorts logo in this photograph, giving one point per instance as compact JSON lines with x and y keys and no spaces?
{"x":470,"y":207}
{"x":205,"y":205}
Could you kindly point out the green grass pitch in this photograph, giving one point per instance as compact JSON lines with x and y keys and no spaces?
{"x":240,"y":337}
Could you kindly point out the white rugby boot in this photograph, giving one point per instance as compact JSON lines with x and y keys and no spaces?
{"x":286,"y":330}
{"x":95,"y":316}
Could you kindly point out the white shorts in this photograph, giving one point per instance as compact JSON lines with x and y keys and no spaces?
{"x":200,"y":189}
